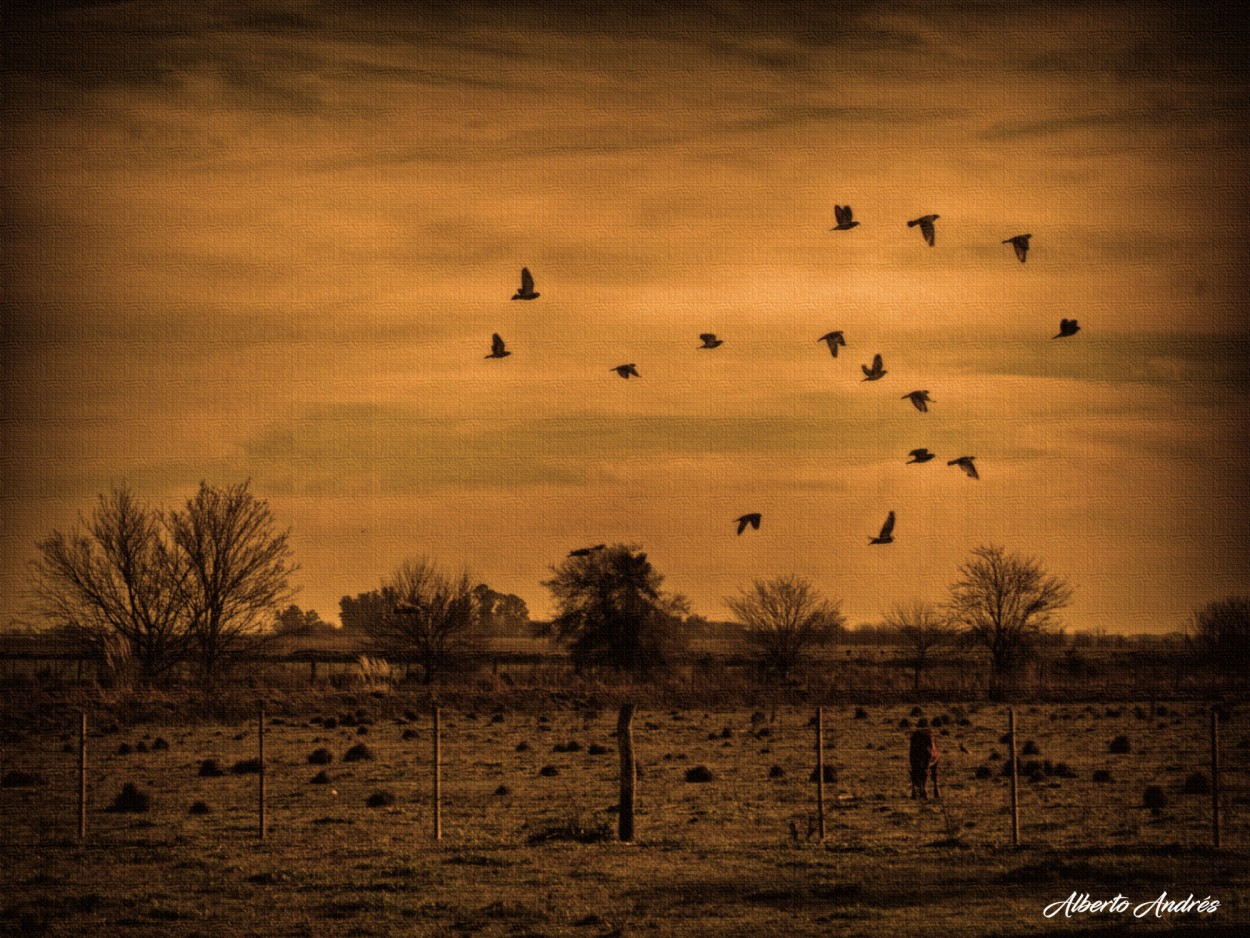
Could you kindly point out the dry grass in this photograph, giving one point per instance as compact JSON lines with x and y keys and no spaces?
{"x":713,"y":858}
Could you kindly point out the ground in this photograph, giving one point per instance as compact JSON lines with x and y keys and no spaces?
{"x":711,"y":858}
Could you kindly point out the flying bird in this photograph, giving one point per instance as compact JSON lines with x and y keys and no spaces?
{"x":1021,"y":244}
{"x":834,"y":339}
{"x":527,"y":287}
{"x":919,"y":455}
{"x":920,"y":399}
{"x":926,"y":226}
{"x":496,"y":347}
{"x":626,"y":370}
{"x":752,"y":519}
{"x":872,"y":374}
{"x":710,"y":340}
{"x":965,"y":463}
{"x":843,"y":215}
{"x":586,"y":551}
{"x":887,"y":531}
{"x":1067,"y":327}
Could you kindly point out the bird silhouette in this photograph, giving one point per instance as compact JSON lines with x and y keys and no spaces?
{"x":874,"y":373}
{"x":1021,"y":244}
{"x":965,"y":463}
{"x":887,"y":531}
{"x":586,"y":551}
{"x":753,"y":519}
{"x":527,"y":287}
{"x":496,"y":347}
{"x":920,"y":399}
{"x":834,"y":339}
{"x":710,"y":340}
{"x":843,"y":215}
{"x":919,"y":455}
{"x":926,"y":226}
{"x":626,"y":370}
{"x":1067,"y":327}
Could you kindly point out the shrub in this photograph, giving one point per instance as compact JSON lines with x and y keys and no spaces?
{"x":904,"y":724}
{"x":503,"y":790}
{"x":594,"y":749}
{"x":380,"y":799}
{"x":548,"y":771}
{"x":522,"y":746}
{"x":1030,"y":748}
{"x":1101,"y":776}
{"x":699,"y":773}
{"x":861,"y":713}
{"x":17,"y":779}
{"x":362,"y":731}
{"x":916,"y":711}
{"x":1197,"y":784}
{"x":130,"y":800}
{"x":983,"y":771}
{"x":358,"y":753}
{"x":776,"y":772}
{"x":1154,"y":799}
{"x":199,"y":808}
{"x":409,"y":734}
{"x":831,"y":774}
{"x":160,"y":743}
{"x":1119,"y":746}
{"x":246,"y":767}
{"x":571,"y":746}
{"x":321,"y":756}
{"x":329,"y":723}
{"x":210,"y":769}
{"x":124,"y":749}
{"x":141,"y":746}
{"x":320,"y":778}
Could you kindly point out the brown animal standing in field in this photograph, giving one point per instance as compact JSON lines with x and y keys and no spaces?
{"x":924,"y":760}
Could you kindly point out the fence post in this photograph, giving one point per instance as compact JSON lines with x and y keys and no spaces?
{"x":260,"y":753}
{"x":438,"y":773}
{"x":1015,"y":799}
{"x":820,"y":772}
{"x":629,"y":772}
{"x":82,"y":775}
{"x":1215,"y":776}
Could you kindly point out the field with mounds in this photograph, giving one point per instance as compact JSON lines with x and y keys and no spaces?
{"x":527,"y":798}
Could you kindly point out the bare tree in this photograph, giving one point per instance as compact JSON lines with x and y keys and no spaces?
{"x":1220,"y":633}
{"x":1005,"y":602}
{"x":433,"y":618}
{"x":922,"y":628}
{"x":116,"y":585}
{"x":785,"y":618}
{"x":238,"y":572}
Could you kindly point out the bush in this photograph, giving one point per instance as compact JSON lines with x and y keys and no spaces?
{"x":548,"y":771}
{"x":1154,"y":799}
{"x":380,"y":799}
{"x":1030,"y":749}
{"x":1101,"y":776}
{"x":571,"y":746}
{"x":1119,"y":746}
{"x":983,"y":771}
{"x":904,"y":724}
{"x":594,"y":749}
{"x":1197,"y":784}
{"x":320,"y":778}
{"x":409,"y":734}
{"x":124,"y":749}
{"x":210,"y":769}
{"x":776,"y":772}
{"x":358,"y":753}
{"x":503,"y":790}
{"x":329,"y":723}
{"x":141,"y":746}
{"x":160,"y":743}
{"x":199,"y":808}
{"x":572,"y":832}
{"x":246,"y":767}
{"x":522,"y":746}
{"x":699,"y":773}
{"x":17,"y":779}
{"x":831,"y":775}
{"x":321,"y":756}
{"x":130,"y":800}
{"x":861,"y":713}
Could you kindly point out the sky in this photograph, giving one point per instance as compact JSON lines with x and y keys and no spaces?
{"x":272,"y":241}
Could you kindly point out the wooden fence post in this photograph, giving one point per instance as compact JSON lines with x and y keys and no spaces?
{"x":260,"y":754}
{"x":1215,"y":776}
{"x":629,"y":772}
{"x":820,"y":772}
{"x":1015,"y":799}
{"x":82,"y":775}
{"x":438,"y":773}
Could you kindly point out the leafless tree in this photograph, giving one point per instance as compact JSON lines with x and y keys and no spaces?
{"x":1004,"y":602}
{"x":115,"y":583}
{"x":1219,"y":633}
{"x":785,"y":618}
{"x":923,"y":628}
{"x":238,"y":570}
{"x":433,"y":617}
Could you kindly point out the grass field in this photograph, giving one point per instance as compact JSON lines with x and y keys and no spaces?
{"x":712,"y":858}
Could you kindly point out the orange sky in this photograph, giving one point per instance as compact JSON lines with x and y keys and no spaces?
{"x":273,"y":241}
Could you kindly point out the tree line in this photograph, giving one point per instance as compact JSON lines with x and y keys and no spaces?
{"x":204,"y":585}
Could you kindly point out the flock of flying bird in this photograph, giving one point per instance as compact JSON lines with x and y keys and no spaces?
{"x":920,"y":399}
